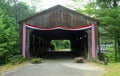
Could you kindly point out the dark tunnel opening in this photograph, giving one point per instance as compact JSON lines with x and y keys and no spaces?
{"x":40,"y":43}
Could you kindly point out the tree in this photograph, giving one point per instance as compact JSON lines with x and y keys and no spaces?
{"x":21,"y":10}
{"x":8,"y":37}
{"x":61,"y":44}
{"x":9,"y":30}
{"x":37,"y":4}
{"x":17,"y":9}
{"x":107,"y":13}
{"x":108,"y":3}
{"x":110,"y":21}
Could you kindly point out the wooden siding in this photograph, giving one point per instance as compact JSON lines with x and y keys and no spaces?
{"x":59,"y":16}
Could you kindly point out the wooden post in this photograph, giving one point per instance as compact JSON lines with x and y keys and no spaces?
{"x":21,"y":37}
{"x":85,"y":48}
{"x":105,"y":61}
{"x":27,"y":43}
{"x":98,"y":41}
{"x":89,"y":45}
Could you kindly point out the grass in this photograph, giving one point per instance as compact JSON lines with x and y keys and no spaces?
{"x":112,"y":69}
{"x":10,"y":66}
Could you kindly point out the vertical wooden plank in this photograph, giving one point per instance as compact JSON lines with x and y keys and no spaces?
{"x":97,"y":41}
{"x":20,"y":34}
{"x":23,"y":40}
{"x":89,"y":45}
{"x":27,"y":43}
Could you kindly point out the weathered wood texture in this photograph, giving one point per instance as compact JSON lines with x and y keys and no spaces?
{"x":59,"y":16}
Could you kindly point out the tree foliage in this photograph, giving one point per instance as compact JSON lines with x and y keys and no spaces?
{"x":8,"y":37}
{"x":108,"y":3}
{"x":22,"y":11}
{"x":9,"y":29}
{"x":108,"y":14}
{"x":61,"y":44}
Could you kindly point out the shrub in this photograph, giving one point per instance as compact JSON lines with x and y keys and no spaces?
{"x":36,"y":60}
{"x":109,"y":55}
{"x":17,"y":59}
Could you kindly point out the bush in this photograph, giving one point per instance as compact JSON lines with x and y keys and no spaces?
{"x":36,"y":60}
{"x":17,"y":59}
{"x":110,"y":55}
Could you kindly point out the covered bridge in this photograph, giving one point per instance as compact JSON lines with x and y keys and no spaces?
{"x":59,"y":23}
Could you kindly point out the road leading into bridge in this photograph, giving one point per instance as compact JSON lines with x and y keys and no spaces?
{"x":57,"y":69}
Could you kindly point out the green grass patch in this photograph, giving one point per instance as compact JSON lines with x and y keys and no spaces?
{"x":11,"y":66}
{"x":112,"y":69}
{"x":17,"y":60}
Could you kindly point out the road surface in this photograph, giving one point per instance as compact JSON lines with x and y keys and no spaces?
{"x":56,"y":69}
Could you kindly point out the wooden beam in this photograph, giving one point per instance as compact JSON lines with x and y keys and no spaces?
{"x":89,"y":45}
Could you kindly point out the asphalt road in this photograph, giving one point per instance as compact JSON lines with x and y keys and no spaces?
{"x":56,"y":69}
